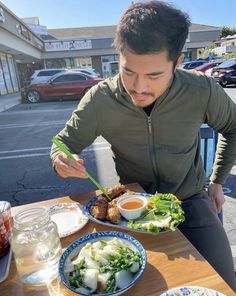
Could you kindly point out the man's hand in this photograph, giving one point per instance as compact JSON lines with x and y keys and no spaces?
{"x":66,"y":167}
{"x":216,"y":194}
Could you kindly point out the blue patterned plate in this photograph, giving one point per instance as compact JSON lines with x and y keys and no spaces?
{"x":192,"y":291}
{"x":122,"y":224}
{"x":77,"y":245}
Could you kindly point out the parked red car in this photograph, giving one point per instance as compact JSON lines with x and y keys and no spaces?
{"x":207,"y":66}
{"x":62,"y":85}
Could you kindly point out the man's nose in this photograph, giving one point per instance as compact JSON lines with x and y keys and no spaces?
{"x":139,"y":85}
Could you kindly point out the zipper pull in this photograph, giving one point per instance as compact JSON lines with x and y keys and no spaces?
{"x":149,"y":125}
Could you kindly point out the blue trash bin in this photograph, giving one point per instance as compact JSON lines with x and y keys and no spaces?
{"x":209,"y":140}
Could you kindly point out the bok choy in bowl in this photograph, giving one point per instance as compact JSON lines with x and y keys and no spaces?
{"x":103,"y":263}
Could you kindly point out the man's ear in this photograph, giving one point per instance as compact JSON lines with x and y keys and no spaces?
{"x":180,"y":60}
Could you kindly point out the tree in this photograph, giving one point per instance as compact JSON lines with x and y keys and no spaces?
{"x":225,"y":31}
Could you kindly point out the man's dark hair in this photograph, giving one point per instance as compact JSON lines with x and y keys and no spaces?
{"x":152,"y":27}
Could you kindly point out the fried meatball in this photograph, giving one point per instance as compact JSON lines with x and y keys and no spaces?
{"x":99,"y":209}
{"x":113,"y":213}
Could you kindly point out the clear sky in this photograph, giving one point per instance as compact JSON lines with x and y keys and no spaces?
{"x":86,"y":13}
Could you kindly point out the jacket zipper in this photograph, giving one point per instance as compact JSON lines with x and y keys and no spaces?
{"x":151,"y":149}
{"x":149,"y":126}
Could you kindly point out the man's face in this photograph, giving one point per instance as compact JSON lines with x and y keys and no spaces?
{"x":145,"y":77}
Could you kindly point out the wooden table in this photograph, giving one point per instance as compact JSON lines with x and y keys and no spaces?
{"x":172,"y":261}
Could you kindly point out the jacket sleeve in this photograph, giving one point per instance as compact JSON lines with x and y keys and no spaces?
{"x":221,"y":116}
{"x":81,"y":129}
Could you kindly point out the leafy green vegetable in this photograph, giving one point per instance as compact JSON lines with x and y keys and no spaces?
{"x":111,"y":284}
{"x":76,"y":277}
{"x":123,"y":261}
{"x":103,"y":243}
{"x":80,"y":265}
{"x":163,"y":208}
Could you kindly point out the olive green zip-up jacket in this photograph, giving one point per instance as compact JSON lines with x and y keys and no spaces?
{"x":163,"y":149}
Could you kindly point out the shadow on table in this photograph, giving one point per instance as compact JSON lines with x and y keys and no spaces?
{"x":153,"y":276}
{"x":56,"y":287}
{"x":173,"y":247}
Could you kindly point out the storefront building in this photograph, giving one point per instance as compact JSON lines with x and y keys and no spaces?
{"x":94,"y":47}
{"x":25,"y":46}
{"x":81,"y":47}
{"x":18,"y":47}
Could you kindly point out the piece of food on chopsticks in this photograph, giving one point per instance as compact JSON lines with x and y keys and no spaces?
{"x":103,"y":267}
{"x":116,"y":191}
{"x":103,"y":209}
{"x":164,"y":212}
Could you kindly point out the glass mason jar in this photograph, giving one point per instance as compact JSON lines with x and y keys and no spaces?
{"x":36,"y":246}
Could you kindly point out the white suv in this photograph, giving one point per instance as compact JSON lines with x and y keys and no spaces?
{"x":43,"y":75}
{"x":89,"y":71}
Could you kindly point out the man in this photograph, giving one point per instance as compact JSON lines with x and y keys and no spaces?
{"x":151,"y":114}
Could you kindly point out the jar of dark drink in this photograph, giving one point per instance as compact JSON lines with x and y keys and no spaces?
{"x":5,"y":227}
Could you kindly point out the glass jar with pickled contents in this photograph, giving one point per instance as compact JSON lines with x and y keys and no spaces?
{"x":36,"y":246}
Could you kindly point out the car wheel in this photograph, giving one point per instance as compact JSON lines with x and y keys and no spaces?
{"x":223,"y":83}
{"x":33,"y":96}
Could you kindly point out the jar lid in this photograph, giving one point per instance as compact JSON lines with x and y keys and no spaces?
{"x":35,"y":217}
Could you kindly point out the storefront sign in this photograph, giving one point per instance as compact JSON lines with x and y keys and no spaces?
{"x":38,"y":43}
{"x":23,"y":32}
{"x":2,"y":16}
{"x":38,"y":29}
{"x":68,"y":45}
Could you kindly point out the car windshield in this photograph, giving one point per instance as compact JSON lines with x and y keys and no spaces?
{"x":227,"y":64}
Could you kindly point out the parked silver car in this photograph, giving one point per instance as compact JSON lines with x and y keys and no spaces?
{"x":43,"y":75}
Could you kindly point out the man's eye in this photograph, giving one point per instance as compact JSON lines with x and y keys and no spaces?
{"x":153,"y":76}
{"x":129,"y":73}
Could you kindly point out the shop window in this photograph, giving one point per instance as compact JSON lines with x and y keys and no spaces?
{"x":8,"y":78}
{"x":13,"y":73}
{"x":56,"y":63}
{"x":83,"y":62}
{"x":3,"y":89}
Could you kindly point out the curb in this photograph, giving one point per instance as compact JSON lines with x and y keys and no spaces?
{"x":9,"y":105}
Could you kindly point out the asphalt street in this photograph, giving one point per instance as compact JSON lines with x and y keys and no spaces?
{"x":26,"y":174}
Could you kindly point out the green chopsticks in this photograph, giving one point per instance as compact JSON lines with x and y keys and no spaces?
{"x":64,"y":149}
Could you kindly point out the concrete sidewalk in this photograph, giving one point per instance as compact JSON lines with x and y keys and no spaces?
{"x":9,"y":101}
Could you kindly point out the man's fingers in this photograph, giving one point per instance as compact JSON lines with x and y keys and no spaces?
{"x":67,"y":167}
{"x":216,"y":194}
{"x":215,"y":205}
{"x":219,"y":203}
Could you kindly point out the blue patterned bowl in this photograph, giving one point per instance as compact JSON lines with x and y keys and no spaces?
{"x":192,"y":291}
{"x":77,"y":245}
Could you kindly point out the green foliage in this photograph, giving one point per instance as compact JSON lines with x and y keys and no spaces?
{"x":230,"y":55}
{"x":225,"y":31}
